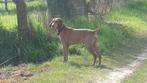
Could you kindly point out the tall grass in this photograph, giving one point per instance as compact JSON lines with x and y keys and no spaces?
{"x":8,"y":21}
{"x":131,"y":16}
{"x":115,"y":39}
{"x":42,"y":46}
{"x":39,"y":48}
{"x":8,"y":40}
{"x":118,"y":29}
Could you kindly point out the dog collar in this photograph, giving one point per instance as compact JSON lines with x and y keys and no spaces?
{"x":60,"y":30}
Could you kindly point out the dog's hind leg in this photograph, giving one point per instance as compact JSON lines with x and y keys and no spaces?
{"x":94,"y":54}
{"x":100,"y":57}
{"x":97,"y":52}
{"x":91,"y":46}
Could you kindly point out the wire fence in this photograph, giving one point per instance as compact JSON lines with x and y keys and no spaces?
{"x":36,"y":9}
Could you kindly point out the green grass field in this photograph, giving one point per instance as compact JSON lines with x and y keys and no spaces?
{"x":119,"y":40}
{"x":139,"y":76}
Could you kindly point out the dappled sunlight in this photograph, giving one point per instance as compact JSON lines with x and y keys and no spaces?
{"x":132,"y":16}
{"x":42,"y":56}
{"x":8,"y":21}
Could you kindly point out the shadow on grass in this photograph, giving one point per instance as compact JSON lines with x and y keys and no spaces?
{"x":78,"y":65}
{"x":102,"y":66}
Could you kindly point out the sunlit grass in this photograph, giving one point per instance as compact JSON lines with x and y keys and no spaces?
{"x":131,"y":16}
{"x":79,"y":68}
{"x":36,"y":4}
{"x":118,"y":49}
{"x":75,"y":71}
{"x":8,"y":21}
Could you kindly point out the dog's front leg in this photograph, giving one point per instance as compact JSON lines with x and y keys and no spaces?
{"x":65,"y":52}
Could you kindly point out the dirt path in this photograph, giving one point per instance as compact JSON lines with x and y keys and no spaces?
{"x":120,"y":73}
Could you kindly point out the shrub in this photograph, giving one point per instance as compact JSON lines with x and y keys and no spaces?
{"x":42,"y":46}
{"x":38,"y":48}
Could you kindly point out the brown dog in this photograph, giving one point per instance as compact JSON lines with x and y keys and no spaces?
{"x":70,"y":36}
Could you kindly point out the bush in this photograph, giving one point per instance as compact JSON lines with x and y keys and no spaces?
{"x":42,"y":47}
{"x":112,"y":35}
{"x":8,"y":41}
{"x":39,"y":48}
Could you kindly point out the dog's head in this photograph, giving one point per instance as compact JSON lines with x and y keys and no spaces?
{"x":56,"y":23}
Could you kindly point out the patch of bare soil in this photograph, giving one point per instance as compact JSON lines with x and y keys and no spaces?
{"x":20,"y":73}
{"x":15,"y":75}
{"x":117,"y":75}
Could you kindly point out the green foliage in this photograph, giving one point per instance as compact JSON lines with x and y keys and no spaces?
{"x":80,"y":22}
{"x":119,"y":26}
{"x":132,"y":16}
{"x":37,"y":48}
{"x":8,"y":41}
{"x":115,"y":34}
{"x":112,"y":35}
{"x":7,"y":23}
{"x":41,"y":47}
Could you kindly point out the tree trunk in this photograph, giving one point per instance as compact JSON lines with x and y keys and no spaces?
{"x":23,"y":25}
{"x":78,"y":8}
{"x":6,"y":6}
{"x":22,"y":20}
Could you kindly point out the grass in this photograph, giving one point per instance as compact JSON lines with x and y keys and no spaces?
{"x":120,"y":49}
{"x":5,"y":20}
{"x":131,"y":16}
{"x":30,"y":50}
{"x":70,"y":72}
{"x":79,"y":68}
{"x":116,"y":40}
{"x":139,"y":76}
